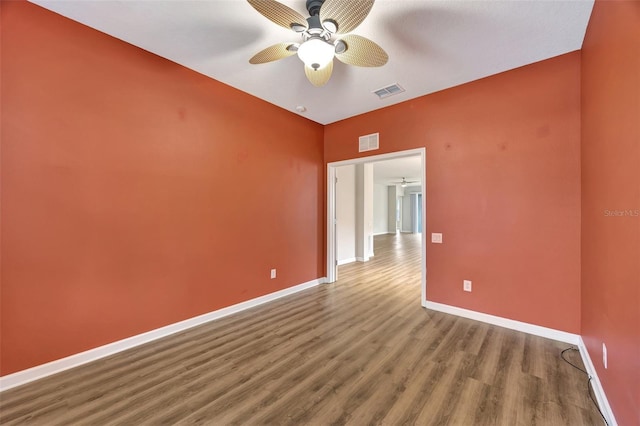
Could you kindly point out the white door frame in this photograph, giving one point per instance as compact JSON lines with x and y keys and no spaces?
{"x":331,"y":211}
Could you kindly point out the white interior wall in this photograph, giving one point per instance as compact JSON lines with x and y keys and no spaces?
{"x":364,"y":211}
{"x":414,"y":212}
{"x":406,"y":213}
{"x":368,"y":210}
{"x":392,"y":209}
{"x":380,"y":209}
{"x":346,"y":214}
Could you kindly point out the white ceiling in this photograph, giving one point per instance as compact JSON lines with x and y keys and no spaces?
{"x":432,"y":45}
{"x":389,"y":172}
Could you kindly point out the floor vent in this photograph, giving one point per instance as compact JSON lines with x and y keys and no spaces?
{"x":368,"y":142}
{"x":385,"y":92}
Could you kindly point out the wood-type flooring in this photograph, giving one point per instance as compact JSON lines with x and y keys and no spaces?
{"x":361,"y":351}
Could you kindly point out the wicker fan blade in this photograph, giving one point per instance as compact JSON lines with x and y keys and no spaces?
{"x":320,"y":76}
{"x":362,"y":52}
{"x":279,"y":13}
{"x":346,"y":14}
{"x":272,"y":53}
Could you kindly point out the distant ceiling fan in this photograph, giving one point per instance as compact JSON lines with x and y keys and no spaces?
{"x":328,"y":19}
{"x":405,"y":182}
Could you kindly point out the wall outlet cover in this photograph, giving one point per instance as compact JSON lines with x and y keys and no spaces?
{"x":466,"y":285}
{"x":436,"y":237}
{"x":273,"y":273}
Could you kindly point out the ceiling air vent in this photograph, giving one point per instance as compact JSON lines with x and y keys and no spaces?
{"x":368,"y":142}
{"x":385,"y":92}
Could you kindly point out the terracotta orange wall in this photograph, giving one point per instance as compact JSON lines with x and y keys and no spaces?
{"x":611,"y":181}
{"x":503,"y":186}
{"x":137,"y":193}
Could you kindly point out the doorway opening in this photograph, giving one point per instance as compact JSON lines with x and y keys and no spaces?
{"x":419,"y":206}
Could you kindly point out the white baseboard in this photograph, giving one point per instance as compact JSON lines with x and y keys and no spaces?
{"x":362,"y":259}
{"x":536,"y":330}
{"x":598,"y":391}
{"x":40,"y":371}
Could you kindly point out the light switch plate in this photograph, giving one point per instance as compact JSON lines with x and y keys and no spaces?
{"x":436,"y":237}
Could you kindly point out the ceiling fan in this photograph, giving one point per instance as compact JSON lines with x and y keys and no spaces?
{"x":405,"y":182}
{"x":322,"y":38}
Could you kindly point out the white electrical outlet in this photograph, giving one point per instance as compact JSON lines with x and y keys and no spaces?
{"x":604,"y":355}
{"x":436,"y":237}
{"x":273,"y":273}
{"x":466,"y":285}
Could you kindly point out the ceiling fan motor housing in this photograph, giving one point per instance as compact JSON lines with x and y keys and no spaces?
{"x":315,"y":27}
{"x":313,"y":6}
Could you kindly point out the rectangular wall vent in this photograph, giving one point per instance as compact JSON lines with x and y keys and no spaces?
{"x":385,"y":92}
{"x":368,"y":142}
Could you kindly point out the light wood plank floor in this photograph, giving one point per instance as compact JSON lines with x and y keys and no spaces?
{"x":360,"y":351}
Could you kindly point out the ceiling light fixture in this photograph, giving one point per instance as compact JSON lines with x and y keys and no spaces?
{"x":404,"y":183}
{"x":326,"y":35}
{"x":316,"y":53}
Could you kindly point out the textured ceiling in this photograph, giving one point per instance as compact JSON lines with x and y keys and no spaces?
{"x":432,"y":45}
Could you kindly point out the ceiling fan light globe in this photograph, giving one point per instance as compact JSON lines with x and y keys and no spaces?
{"x":316,"y":53}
